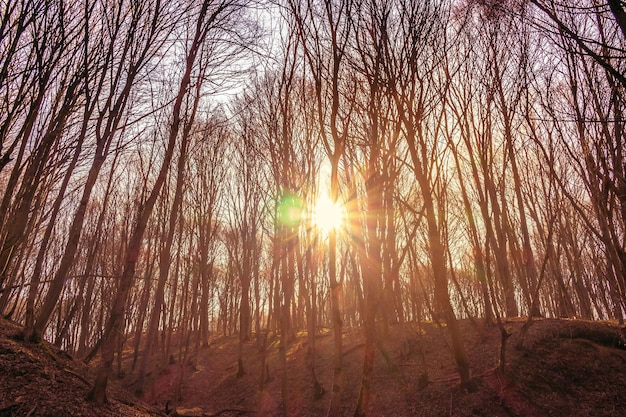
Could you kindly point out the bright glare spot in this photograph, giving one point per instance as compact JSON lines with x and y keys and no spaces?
{"x":290,"y":210}
{"x":327,"y":215}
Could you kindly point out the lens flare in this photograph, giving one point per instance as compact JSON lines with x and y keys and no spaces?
{"x":291,"y":210}
{"x":328,"y":215}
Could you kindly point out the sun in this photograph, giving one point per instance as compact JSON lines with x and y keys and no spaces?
{"x":327,"y":215}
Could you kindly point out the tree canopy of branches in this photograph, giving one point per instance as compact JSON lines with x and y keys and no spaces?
{"x":163,"y":167}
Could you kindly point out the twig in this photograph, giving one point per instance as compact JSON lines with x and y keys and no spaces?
{"x":228,"y":410}
{"x":79,"y":376}
{"x":139,"y":406}
{"x":32,"y":410}
{"x":451,"y":379}
{"x":10,"y":406}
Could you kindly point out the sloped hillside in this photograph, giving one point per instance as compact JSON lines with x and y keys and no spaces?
{"x":40,"y":380}
{"x":561,"y":368}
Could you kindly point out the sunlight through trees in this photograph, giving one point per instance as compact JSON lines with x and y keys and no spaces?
{"x":328,"y":215}
{"x":171,"y":171}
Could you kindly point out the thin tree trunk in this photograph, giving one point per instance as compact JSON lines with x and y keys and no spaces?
{"x":335,"y":296}
{"x":166,"y":249}
{"x":173,"y":294}
{"x":143,"y":304}
{"x":115,"y":322}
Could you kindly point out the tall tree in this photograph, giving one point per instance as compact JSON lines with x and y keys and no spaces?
{"x":210,"y":18}
{"x":412,"y":80}
{"x":325,"y":29}
{"x":134,"y":56}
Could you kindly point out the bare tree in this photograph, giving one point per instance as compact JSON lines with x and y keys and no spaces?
{"x":135,"y":55}
{"x":210,"y":17}
{"x":58,"y":77}
{"x":205,"y":195}
{"x":325,"y":29}
{"x":412,"y":70}
{"x":246,"y":198}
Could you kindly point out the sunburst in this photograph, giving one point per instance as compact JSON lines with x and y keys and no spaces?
{"x":328,"y":215}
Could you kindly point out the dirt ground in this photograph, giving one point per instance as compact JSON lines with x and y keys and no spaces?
{"x":41,"y":380}
{"x":562,"y":368}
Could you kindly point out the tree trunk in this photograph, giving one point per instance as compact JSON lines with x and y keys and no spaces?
{"x":102,"y":148}
{"x":115,"y":322}
{"x":335,"y":296}
{"x":166,"y":249}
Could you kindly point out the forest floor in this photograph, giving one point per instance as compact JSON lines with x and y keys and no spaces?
{"x":562,"y":368}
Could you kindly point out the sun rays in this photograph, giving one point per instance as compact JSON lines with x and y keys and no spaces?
{"x":327,"y":215}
